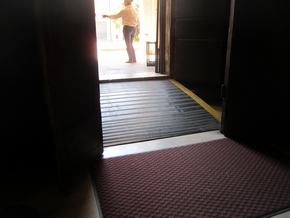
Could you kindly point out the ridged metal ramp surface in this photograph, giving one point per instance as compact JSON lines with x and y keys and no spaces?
{"x":136,"y":111}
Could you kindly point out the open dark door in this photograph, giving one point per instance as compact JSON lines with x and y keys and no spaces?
{"x":257,"y":81}
{"x":69,"y":65}
{"x":199,"y":36}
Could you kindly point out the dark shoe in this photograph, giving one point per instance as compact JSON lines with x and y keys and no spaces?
{"x":129,"y":62}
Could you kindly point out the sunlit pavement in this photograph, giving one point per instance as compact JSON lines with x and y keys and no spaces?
{"x":112,"y":57}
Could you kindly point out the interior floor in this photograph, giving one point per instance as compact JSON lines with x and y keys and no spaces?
{"x":80,"y":201}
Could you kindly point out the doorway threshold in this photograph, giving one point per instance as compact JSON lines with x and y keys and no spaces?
{"x":159,"y":144}
{"x":131,"y":77}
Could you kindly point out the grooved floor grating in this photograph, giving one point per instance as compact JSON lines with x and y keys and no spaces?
{"x":135,"y":111}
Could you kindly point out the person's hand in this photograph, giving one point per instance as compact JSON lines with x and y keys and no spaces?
{"x":104,"y":15}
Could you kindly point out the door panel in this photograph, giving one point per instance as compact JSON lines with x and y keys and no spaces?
{"x":206,"y":58}
{"x":199,"y":35}
{"x":199,"y":8}
{"x":258,"y":78}
{"x":208,"y":29}
{"x":69,"y":65}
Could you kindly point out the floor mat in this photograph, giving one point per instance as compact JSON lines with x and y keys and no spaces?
{"x":221,"y":178}
{"x":136,"y":111}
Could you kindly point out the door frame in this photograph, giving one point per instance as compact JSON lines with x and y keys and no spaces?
{"x":163,"y":38}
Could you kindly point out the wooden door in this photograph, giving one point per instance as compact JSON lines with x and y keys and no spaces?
{"x":69,"y":65}
{"x":199,"y":35}
{"x":257,"y":80}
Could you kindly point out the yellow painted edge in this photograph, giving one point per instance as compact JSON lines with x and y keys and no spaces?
{"x":202,"y":103}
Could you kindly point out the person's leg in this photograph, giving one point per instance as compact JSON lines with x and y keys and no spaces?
{"x":129,"y":36}
{"x":133,"y":50}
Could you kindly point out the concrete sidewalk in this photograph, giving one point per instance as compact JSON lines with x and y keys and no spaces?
{"x":119,"y":45}
{"x":112,"y":57}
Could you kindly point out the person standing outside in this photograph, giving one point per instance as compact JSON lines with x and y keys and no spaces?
{"x":130,"y":20}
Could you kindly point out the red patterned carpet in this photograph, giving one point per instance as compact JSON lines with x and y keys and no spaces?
{"x":221,"y":178}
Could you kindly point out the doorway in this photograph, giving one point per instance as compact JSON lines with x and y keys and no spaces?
{"x":111,"y":47}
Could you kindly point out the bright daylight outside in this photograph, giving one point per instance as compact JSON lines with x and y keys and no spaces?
{"x":111,"y":46}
